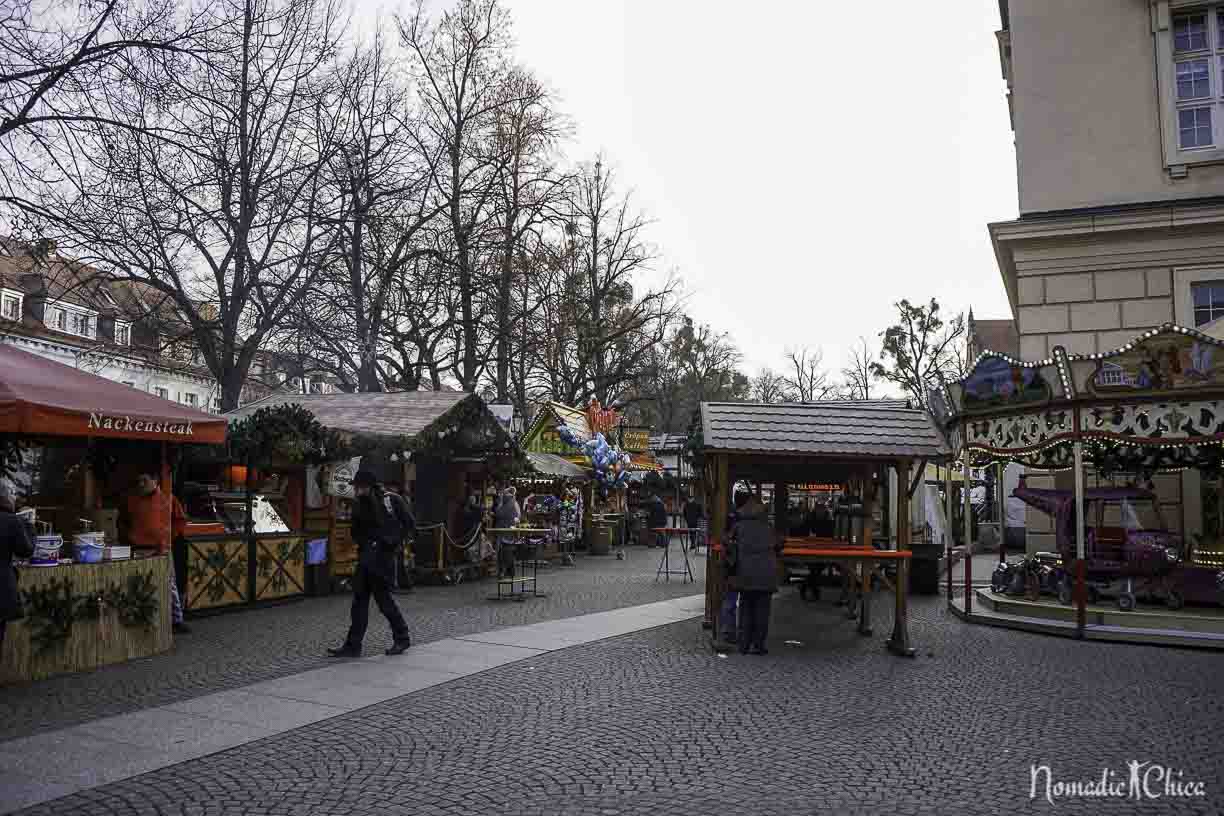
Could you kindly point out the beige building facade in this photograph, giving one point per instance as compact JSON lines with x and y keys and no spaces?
{"x":1118,"y":113}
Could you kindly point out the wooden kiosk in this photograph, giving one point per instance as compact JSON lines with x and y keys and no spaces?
{"x":82,"y":440}
{"x":853,"y":444}
{"x":436,"y":447}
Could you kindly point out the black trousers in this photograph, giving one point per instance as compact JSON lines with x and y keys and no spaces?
{"x":365,"y":584}
{"x":754,"y":619}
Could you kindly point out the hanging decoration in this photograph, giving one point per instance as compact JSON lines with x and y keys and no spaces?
{"x":610,"y":464}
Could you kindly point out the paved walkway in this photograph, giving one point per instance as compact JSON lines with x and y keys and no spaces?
{"x":58,"y":763}
{"x":653,"y":722}
{"x":238,"y":649}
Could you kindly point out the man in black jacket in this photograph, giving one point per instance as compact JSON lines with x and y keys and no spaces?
{"x":377,"y":535}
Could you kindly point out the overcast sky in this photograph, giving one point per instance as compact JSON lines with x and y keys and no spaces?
{"x":807,"y":163}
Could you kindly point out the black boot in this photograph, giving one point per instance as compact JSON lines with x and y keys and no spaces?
{"x":344,"y":651}
{"x":401,"y":645}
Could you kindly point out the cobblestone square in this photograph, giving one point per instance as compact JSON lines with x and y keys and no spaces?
{"x":656,"y":722}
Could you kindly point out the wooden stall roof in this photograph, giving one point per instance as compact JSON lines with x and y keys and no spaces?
{"x":843,"y":429}
{"x":403,"y":413}
{"x":42,"y":397}
{"x":549,"y":464}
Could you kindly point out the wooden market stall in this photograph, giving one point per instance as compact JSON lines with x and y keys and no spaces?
{"x":435,"y":447}
{"x":560,"y":430}
{"x":73,"y":444}
{"x":852,"y":444}
{"x":551,"y":496}
{"x":246,"y":543}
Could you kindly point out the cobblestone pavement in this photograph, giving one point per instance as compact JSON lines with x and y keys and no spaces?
{"x":653,"y":722}
{"x":241,"y":648}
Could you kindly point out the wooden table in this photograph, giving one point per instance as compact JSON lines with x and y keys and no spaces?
{"x":518,"y":581}
{"x":802,"y":552}
{"x":664,"y":564}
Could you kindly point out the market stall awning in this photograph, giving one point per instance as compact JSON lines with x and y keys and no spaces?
{"x":549,"y":464}
{"x":42,"y":397}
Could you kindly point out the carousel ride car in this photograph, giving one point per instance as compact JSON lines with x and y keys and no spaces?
{"x":1129,"y":551}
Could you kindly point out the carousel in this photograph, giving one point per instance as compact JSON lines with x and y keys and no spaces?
{"x":1130,"y":552}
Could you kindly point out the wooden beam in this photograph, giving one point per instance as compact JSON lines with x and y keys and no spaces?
{"x":718,"y":533}
{"x":904,"y":524}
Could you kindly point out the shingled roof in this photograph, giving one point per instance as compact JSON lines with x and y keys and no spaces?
{"x":880,"y":429}
{"x":400,"y":414}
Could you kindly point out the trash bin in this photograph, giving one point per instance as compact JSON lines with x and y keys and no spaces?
{"x":924,"y":571}
{"x":602,"y":535}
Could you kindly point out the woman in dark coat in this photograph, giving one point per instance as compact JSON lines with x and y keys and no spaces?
{"x":15,"y":542}
{"x":752,"y":555}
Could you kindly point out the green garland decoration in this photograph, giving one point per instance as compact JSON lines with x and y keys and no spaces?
{"x":136,"y":602}
{"x":52,"y":610}
{"x":50,"y":613}
{"x":285,"y":433}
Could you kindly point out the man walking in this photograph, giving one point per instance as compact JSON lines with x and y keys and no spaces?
{"x":375,"y":532}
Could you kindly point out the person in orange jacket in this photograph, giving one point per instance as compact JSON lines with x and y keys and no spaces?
{"x":152,"y":520}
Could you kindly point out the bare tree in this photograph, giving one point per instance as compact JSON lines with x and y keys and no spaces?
{"x":769,"y":386}
{"x":808,"y":380}
{"x":529,"y":188}
{"x":229,"y":221}
{"x":919,"y":349}
{"x":66,"y":66}
{"x":614,"y":325}
{"x":857,"y":374}
{"x":461,"y":66}
{"x":382,"y":174}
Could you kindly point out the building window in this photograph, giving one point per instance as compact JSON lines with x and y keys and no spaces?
{"x":57,"y":319}
{"x":1208,"y":301}
{"x":123,"y":334}
{"x":10,"y":307}
{"x":189,"y":399}
{"x":82,"y":325}
{"x":161,"y":392}
{"x":1198,"y":77}
{"x":1190,"y":32}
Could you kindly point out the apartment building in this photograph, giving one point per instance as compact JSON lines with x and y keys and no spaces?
{"x":1118,"y":112}
{"x":124,"y":331}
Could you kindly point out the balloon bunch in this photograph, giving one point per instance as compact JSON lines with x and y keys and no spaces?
{"x":610,"y":464}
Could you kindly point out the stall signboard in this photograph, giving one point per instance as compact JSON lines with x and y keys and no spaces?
{"x":339,"y":482}
{"x":636,"y":440}
{"x":549,"y":440}
{"x":601,"y":420}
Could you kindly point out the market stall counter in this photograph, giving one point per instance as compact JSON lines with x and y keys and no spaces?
{"x":76,"y":450}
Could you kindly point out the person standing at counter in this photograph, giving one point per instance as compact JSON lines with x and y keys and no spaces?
{"x":15,"y":542}
{"x":376,"y":531}
{"x":507,"y":514}
{"x":149,"y":521}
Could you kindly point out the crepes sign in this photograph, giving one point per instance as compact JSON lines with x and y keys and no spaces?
{"x":128,"y":425}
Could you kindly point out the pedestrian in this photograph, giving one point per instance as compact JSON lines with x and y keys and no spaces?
{"x":151,"y":520}
{"x":375,"y":531}
{"x":728,"y":627}
{"x":658,"y":519}
{"x":694,"y":515}
{"x":16,"y":541}
{"x":752,"y":554}
{"x":395,"y":503}
{"x":506,"y":516}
